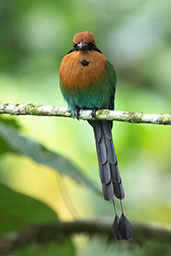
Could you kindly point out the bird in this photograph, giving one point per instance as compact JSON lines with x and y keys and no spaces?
{"x":88,"y":81}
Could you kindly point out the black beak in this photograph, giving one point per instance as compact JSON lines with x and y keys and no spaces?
{"x":82,"y":46}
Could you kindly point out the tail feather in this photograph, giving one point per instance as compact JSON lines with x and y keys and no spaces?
{"x":110,"y":176}
{"x":117,"y":182}
{"x":108,"y":191}
{"x":108,"y":167}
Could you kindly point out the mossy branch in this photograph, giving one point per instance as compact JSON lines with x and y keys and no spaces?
{"x":54,"y":232}
{"x":103,"y":114}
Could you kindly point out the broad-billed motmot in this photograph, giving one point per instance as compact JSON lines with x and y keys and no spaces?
{"x":88,"y":81}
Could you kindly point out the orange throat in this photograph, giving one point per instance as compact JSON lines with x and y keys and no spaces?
{"x":82,"y":69}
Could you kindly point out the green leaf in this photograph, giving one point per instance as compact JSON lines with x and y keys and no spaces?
{"x":18,"y":211}
{"x":9,"y":122}
{"x":37,"y":152}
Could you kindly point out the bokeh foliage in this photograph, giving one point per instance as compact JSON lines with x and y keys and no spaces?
{"x":135,"y":35}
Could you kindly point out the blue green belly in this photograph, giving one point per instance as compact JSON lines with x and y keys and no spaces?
{"x":96,"y":96}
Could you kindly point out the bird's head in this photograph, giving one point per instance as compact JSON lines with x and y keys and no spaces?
{"x":84,"y":41}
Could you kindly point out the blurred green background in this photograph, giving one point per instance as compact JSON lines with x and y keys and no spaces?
{"x":135,"y":35}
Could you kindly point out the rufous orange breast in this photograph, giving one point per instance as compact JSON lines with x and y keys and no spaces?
{"x":82,"y":69}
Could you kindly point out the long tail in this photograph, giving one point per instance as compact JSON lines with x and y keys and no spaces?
{"x":109,"y":175}
{"x":108,"y":166}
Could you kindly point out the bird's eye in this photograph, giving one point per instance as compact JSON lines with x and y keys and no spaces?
{"x":91,"y":44}
{"x":74,"y":45}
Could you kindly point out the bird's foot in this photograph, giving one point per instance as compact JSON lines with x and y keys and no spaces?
{"x":93,"y":113}
{"x":76,"y":112}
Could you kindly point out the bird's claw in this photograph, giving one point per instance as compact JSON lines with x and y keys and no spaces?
{"x":93,"y":113}
{"x":77,"y":112}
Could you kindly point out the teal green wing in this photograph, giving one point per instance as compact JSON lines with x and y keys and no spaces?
{"x":112,"y":80}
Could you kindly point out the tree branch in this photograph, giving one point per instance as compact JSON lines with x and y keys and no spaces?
{"x":55,"y":231}
{"x":103,"y":114}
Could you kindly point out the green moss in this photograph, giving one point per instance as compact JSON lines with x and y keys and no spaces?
{"x":164,"y":120}
{"x":32,"y":109}
{"x":6,"y":105}
{"x":102,"y":112}
{"x":133,"y":117}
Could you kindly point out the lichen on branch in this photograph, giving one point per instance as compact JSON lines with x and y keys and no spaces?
{"x":102,"y":114}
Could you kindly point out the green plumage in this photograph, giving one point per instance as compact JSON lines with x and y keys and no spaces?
{"x":96,"y":96}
